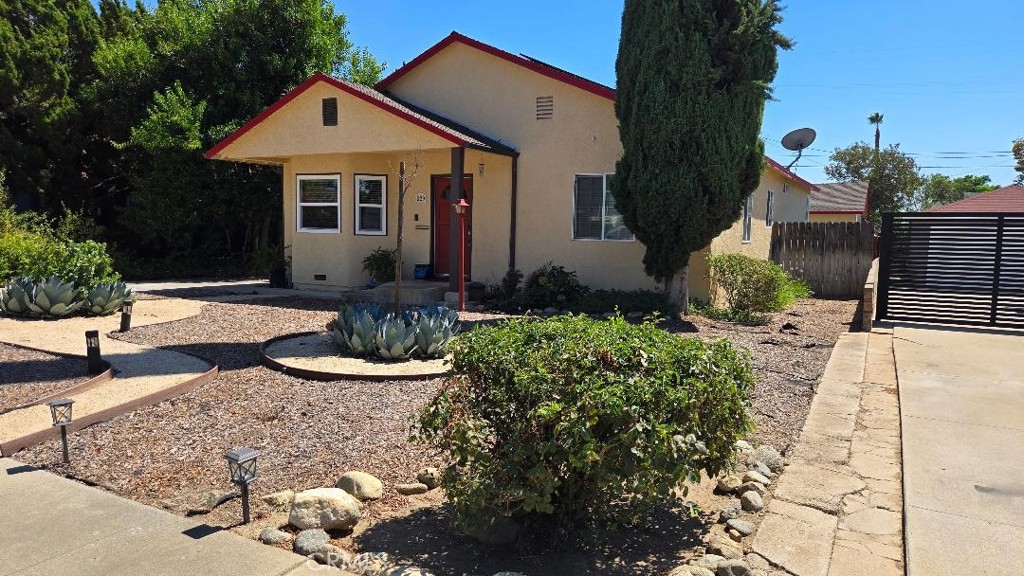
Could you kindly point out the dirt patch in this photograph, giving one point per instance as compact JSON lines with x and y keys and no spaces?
{"x":28,"y":375}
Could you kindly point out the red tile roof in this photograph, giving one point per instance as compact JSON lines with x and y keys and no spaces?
{"x":839,"y":198}
{"x":1007,"y":200}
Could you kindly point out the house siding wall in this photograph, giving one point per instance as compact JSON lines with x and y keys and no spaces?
{"x":820,"y":217}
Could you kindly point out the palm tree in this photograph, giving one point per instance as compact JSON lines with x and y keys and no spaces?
{"x":876,"y":121}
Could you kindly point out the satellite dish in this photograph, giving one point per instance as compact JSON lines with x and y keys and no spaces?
{"x":796,"y":141}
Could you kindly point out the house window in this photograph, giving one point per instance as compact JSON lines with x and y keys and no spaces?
{"x":769,"y":210}
{"x":748,"y":212}
{"x":319,"y":208}
{"x":595,"y":216}
{"x":371,"y":205}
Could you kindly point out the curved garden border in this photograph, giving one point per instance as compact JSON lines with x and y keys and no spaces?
{"x":100,"y":378}
{"x":323,"y":376}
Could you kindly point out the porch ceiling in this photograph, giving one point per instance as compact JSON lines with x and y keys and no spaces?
{"x":369,"y":121}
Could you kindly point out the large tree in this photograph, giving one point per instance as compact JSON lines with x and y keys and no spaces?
{"x":939,"y":189}
{"x":692,"y":80}
{"x":1018,"y":155}
{"x":894,"y":179}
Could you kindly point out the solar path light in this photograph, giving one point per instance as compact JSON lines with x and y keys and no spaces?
{"x":242,"y":467}
{"x":60,"y":410}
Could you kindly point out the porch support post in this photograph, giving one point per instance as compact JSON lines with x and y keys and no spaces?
{"x":458,"y":169}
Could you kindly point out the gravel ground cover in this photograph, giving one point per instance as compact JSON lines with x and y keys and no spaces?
{"x":27,"y":375}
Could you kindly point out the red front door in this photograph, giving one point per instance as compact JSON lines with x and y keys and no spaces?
{"x":444,"y":219}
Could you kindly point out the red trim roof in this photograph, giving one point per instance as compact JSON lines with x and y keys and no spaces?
{"x":530,"y":64}
{"x":363,"y":93}
{"x":787,"y":173}
{"x":1006,"y":200}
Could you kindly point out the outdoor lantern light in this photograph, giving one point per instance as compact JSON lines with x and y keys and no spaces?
{"x":60,"y":410}
{"x":480,"y":169}
{"x":460,"y":209}
{"x":92,"y":351}
{"x":126,"y":316}
{"x":242,"y":466}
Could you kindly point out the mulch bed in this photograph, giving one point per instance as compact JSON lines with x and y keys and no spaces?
{"x":28,"y":375}
{"x":309,"y":433}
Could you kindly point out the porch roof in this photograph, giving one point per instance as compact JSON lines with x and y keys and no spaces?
{"x":456,"y":133}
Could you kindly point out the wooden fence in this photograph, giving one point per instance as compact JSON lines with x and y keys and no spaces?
{"x":832,"y":257}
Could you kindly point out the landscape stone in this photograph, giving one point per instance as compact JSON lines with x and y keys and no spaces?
{"x":410,"y":489}
{"x":709,"y":561}
{"x":274,"y":536}
{"x":309,"y":542}
{"x":771,"y":458}
{"x":207,"y":501}
{"x":751,"y":487}
{"x":327,"y":508}
{"x":751,"y":501}
{"x":370,"y":563}
{"x":762,"y":469}
{"x":430,"y":476}
{"x":729,"y":484}
{"x":752,"y":476}
{"x":742,"y":446}
{"x":279,"y":500}
{"x":691,"y":570}
{"x":742,"y":526}
{"x":729,"y":512}
{"x":361,"y":485}
{"x":733,"y":568}
{"x":724,"y":547}
{"x":734,"y":535}
{"x":331,"y":555}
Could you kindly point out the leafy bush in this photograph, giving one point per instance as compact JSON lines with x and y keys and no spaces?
{"x":561,"y":421}
{"x":754,"y":287}
{"x":551,"y":285}
{"x":365,"y":330}
{"x":646,"y":301}
{"x":380,"y":264}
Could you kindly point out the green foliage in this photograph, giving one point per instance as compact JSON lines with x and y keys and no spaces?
{"x":107,"y":298}
{"x":1018,"y":156}
{"x":753,"y":287}
{"x":396,"y":337}
{"x":366,"y":330}
{"x":355,"y":328}
{"x":49,"y":298}
{"x":551,"y":285}
{"x":893,"y":186}
{"x":562,"y":421}
{"x":380,"y":264}
{"x":693,"y":78}
{"x":939,"y":189}
{"x":646,"y":301}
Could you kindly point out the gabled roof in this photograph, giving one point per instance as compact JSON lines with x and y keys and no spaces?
{"x":524,"y":61}
{"x":787,"y":173}
{"x":1006,"y":200}
{"x":839,"y":198}
{"x":444,"y":127}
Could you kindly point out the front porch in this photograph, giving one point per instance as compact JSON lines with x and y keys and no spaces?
{"x":413,"y":292}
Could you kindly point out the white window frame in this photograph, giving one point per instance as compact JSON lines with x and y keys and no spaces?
{"x":383,"y":179}
{"x":299,"y":204}
{"x":604,"y":204}
{"x":769,"y":209}
{"x":748,"y":220}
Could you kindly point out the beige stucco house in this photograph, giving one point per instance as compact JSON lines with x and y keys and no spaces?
{"x":535,"y":146}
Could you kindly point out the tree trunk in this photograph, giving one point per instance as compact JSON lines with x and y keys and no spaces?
{"x":679,"y":290}
{"x":398,"y":248}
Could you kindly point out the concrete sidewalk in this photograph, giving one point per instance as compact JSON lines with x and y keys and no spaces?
{"x":962,"y":404}
{"x":52,"y":525}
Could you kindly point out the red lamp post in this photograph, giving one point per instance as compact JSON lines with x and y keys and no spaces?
{"x":460,"y":210}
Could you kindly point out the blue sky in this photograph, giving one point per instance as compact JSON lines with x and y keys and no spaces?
{"x":948,"y":76}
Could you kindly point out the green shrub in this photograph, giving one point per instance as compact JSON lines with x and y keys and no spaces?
{"x":754,"y":287}
{"x":646,"y":301}
{"x":551,"y":285}
{"x":563,"y":421}
{"x":380,"y":264}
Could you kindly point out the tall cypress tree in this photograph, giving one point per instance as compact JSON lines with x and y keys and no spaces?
{"x":693,"y":77}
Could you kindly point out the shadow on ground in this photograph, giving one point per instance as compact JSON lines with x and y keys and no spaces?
{"x":427,"y":538}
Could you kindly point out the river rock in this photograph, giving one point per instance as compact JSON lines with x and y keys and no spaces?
{"x":310,"y":542}
{"x":430,"y":476}
{"x":751,"y":487}
{"x":279,"y":500}
{"x":742,"y":526}
{"x":733,"y":567}
{"x":722,"y":546}
{"x":751,"y":501}
{"x":762,"y":469}
{"x":327,"y":508}
{"x":709,"y":561}
{"x":410,"y":489}
{"x":729,"y":512}
{"x":361,"y":485}
{"x":330,"y":555}
{"x":752,"y":476}
{"x":274,"y":536}
{"x":729,"y":484}
{"x":771,"y":458}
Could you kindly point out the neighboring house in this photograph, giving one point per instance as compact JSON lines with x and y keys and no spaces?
{"x":838,"y":201}
{"x":1006,"y":200}
{"x":535,"y":144}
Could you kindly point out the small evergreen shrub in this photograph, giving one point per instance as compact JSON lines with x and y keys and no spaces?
{"x":380,"y":264}
{"x":559,"y":422}
{"x":551,"y":285}
{"x":754,"y":287}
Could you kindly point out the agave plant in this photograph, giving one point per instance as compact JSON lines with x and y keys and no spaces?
{"x":435,"y":328}
{"x":107,"y":298}
{"x":16,"y":295}
{"x":55,"y":298}
{"x":396,"y":337}
{"x":356,"y":335}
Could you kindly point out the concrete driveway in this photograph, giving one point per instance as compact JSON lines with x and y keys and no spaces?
{"x":962,"y":405}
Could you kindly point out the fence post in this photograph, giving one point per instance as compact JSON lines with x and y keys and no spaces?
{"x":885,"y":249}
{"x":995,"y":274}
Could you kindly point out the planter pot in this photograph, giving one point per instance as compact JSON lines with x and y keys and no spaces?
{"x":422,"y":271}
{"x":475,"y":291}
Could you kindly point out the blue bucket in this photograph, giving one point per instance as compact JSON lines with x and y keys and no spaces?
{"x":422,"y":271}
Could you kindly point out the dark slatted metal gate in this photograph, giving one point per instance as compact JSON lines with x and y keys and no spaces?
{"x":953,"y":268}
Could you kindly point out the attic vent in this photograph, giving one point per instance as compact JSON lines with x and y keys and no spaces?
{"x":320,"y":277}
{"x":545,"y":107}
{"x":330,"y":111}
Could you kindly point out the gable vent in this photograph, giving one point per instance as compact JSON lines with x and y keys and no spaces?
{"x":330,"y":111}
{"x":545,"y":107}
